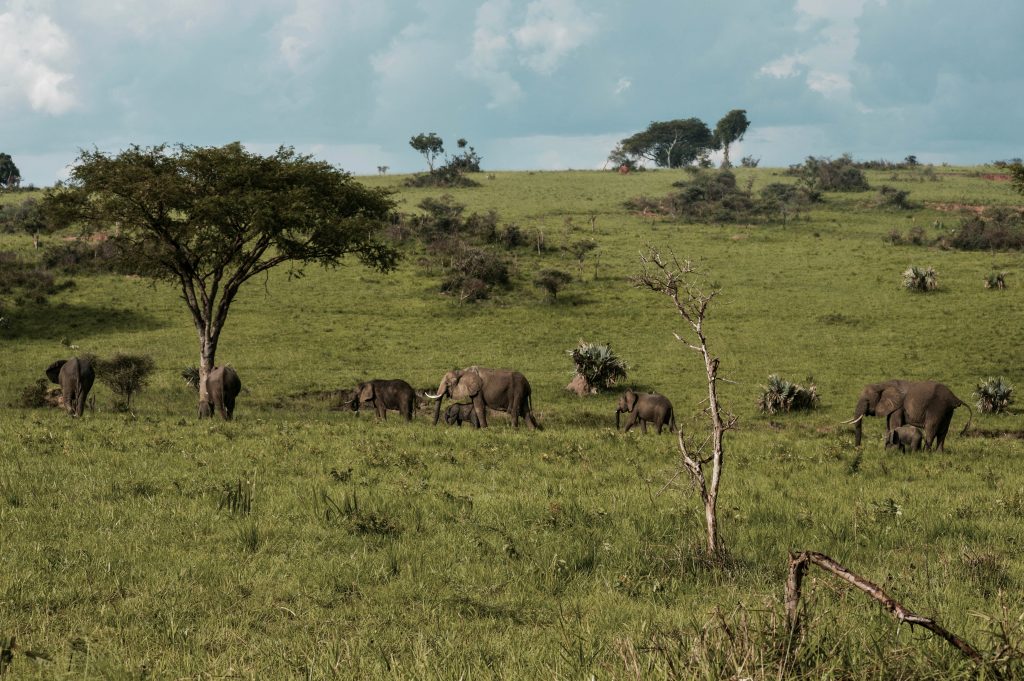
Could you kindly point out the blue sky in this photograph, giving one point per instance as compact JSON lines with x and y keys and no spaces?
{"x":534,"y":84}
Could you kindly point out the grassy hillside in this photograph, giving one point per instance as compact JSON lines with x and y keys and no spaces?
{"x":411,"y":551}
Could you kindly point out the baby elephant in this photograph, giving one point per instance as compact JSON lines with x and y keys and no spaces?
{"x":904,"y":437}
{"x":222,"y":387}
{"x":394,"y":394}
{"x":645,"y":408}
{"x":456,"y":414}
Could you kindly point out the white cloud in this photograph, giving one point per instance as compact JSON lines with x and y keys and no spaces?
{"x":35,"y":53}
{"x":826,"y":65}
{"x":548,"y":32}
{"x":623,"y":85}
{"x":552,"y":29}
{"x":316,"y":25}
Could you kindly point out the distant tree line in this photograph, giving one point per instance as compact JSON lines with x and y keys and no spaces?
{"x":681,"y":142}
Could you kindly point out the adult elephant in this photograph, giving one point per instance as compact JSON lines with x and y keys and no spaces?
{"x":926,"y":404}
{"x":75,"y":377}
{"x":382,"y":394}
{"x":497,"y":389}
{"x":222,"y":387}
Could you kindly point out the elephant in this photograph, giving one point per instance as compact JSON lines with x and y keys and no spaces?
{"x":497,"y":389}
{"x":75,"y":377}
{"x":925,"y":404}
{"x":383,"y":394}
{"x":905,"y":437}
{"x":222,"y":387}
{"x":645,"y":408}
{"x":456,"y":414}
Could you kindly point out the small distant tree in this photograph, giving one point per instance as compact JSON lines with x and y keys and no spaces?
{"x":691,"y":295}
{"x":729,"y":130}
{"x":749,"y":162}
{"x":27,"y":217}
{"x":209,"y":219}
{"x":125,"y":375}
{"x":552,"y":281}
{"x":1017,"y":175}
{"x":430,"y":145}
{"x":597,"y":368}
{"x":579,"y":250}
{"x":669,"y":144}
{"x":10,"y":176}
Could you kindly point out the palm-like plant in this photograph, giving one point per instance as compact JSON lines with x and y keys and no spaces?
{"x":994,"y":395}
{"x":781,"y":395}
{"x":920,"y":278}
{"x":996,"y":280}
{"x":598,"y":365}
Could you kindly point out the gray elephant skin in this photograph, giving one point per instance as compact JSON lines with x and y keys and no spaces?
{"x":497,"y":389}
{"x":904,"y":438}
{"x":457,"y":414}
{"x":644,"y":408}
{"x":222,"y":387}
{"x":75,"y":377}
{"x":926,"y":404}
{"x":384,"y":394}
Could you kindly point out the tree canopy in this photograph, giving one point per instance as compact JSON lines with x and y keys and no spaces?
{"x":430,"y":145}
{"x":668,"y":144}
{"x":211,"y":218}
{"x":730,"y":129}
{"x":10,"y":176}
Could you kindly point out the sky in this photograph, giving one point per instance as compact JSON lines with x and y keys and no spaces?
{"x":531,"y":84}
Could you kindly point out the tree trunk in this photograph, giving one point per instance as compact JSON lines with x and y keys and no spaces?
{"x":207,"y":352}
{"x":725,"y":156}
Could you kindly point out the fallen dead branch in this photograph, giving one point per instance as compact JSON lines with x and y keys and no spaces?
{"x":798,"y":564}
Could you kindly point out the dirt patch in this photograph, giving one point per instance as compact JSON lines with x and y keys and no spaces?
{"x":996,"y":177}
{"x":957,"y":207}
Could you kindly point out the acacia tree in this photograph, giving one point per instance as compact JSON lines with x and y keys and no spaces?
{"x":668,"y":144}
{"x":209,"y":219}
{"x":430,"y":145}
{"x":684,"y":284}
{"x":10,"y":176}
{"x":730,"y":129}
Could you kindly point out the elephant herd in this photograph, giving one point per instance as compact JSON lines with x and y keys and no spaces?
{"x":916,"y":413}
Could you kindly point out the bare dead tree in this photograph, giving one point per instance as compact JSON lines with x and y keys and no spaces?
{"x":798,"y":564}
{"x":691,"y":294}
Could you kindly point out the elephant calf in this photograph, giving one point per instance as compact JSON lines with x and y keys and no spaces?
{"x":905,"y":437}
{"x":456,"y":414}
{"x":381,"y":394}
{"x":645,"y":408}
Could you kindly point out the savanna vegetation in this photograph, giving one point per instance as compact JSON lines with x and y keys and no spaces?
{"x":301,"y":541}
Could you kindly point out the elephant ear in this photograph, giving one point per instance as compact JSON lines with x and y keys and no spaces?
{"x":53,"y":371}
{"x":469,"y":385}
{"x":366,"y":392}
{"x":889,"y":401}
{"x":631,"y":399}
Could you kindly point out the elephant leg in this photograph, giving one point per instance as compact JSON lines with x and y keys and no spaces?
{"x":940,"y":433}
{"x":229,"y":408}
{"x":514,"y":409}
{"x":408,"y":409}
{"x":643,"y":426}
{"x":480,"y":411}
{"x":630,"y":422}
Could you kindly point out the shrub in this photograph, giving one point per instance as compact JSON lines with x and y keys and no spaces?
{"x":994,"y":395}
{"x":921,"y":279}
{"x":598,"y":365}
{"x":125,"y":375}
{"x":915,"y":236}
{"x":552,"y":281}
{"x":472,"y":272}
{"x":825,"y":174}
{"x":73,"y":257}
{"x":781,"y":395}
{"x":998,"y":229}
{"x":749,"y":162}
{"x":890,"y":197}
{"x":36,"y":395}
{"x":996,"y":280}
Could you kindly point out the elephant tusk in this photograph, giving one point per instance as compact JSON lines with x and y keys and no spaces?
{"x":853,"y":420}
{"x":433,"y":397}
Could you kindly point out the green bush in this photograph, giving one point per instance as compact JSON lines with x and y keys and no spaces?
{"x":922,"y":279}
{"x":827,"y":175}
{"x":599,"y":366}
{"x":994,"y":395}
{"x":997,"y":229}
{"x":552,"y":281}
{"x":125,"y":375}
{"x":781,"y":395}
{"x":995,"y":280}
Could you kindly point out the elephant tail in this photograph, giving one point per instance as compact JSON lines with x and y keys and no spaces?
{"x":529,"y":413}
{"x":672,"y":422}
{"x":969,"y":418}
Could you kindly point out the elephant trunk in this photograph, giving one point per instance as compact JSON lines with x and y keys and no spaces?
{"x":862,"y":408}
{"x":617,"y":412}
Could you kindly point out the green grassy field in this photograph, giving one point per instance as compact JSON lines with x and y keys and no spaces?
{"x":401,"y":550}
